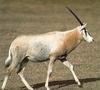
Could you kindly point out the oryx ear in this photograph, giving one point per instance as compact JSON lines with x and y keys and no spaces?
{"x":83,"y":26}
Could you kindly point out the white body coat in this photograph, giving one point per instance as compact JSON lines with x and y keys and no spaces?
{"x":37,"y":47}
{"x":40,"y":47}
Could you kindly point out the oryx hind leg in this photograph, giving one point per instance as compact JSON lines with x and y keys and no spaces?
{"x":20,"y":71}
{"x":9,"y":69}
{"x":4,"y":82}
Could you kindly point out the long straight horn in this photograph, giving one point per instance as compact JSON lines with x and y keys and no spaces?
{"x":75,"y":16}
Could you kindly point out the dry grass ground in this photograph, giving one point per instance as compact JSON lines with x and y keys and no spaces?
{"x":38,"y":16}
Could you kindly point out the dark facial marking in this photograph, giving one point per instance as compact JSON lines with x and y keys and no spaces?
{"x":89,"y":33}
{"x":85,"y":32}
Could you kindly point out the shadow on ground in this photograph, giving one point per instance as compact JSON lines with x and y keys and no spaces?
{"x":63,"y":83}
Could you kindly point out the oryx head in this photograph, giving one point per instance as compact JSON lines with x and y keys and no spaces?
{"x":86,"y":35}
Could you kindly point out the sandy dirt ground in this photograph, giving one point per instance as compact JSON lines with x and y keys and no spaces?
{"x":19,"y":17}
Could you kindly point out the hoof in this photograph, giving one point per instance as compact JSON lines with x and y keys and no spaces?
{"x":80,"y":86}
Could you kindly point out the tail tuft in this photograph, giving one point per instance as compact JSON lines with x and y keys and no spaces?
{"x":8,"y":60}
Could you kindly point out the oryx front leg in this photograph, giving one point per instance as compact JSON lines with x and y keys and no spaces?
{"x":52,"y":59}
{"x":70,"y":66}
